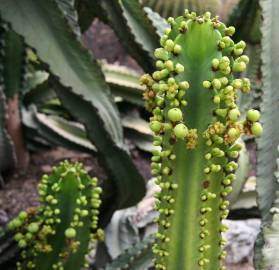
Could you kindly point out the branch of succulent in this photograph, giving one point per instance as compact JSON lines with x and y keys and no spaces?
{"x":57,"y":234}
{"x":196,"y":122}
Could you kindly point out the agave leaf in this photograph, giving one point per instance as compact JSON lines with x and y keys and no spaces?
{"x":134,"y":29}
{"x":70,"y":13}
{"x":267,"y":144}
{"x":268,"y":239}
{"x":87,"y":96}
{"x":267,"y":182}
{"x":38,"y":91}
{"x":123,"y":82}
{"x":137,"y":257}
{"x":63,"y":132}
{"x":173,"y":8}
{"x":246,"y":17}
{"x":138,"y":131}
{"x":158,"y":22}
{"x":245,"y":200}
{"x":34,"y":79}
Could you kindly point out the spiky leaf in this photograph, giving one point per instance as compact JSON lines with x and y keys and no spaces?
{"x":246,"y":17}
{"x":269,"y":237}
{"x":173,"y":8}
{"x":134,"y":29}
{"x":64,"y":133}
{"x":87,"y":96}
{"x":267,"y":145}
{"x":123,"y":82}
{"x":137,"y":257}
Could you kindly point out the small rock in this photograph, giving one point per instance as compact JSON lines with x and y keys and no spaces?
{"x":241,"y":238}
{"x":3,"y":217}
{"x":46,"y":168}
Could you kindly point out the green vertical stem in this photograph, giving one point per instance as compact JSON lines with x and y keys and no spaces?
{"x":196,"y":122}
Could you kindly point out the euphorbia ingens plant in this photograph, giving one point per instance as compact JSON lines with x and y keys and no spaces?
{"x":57,"y":234}
{"x":196,"y":123}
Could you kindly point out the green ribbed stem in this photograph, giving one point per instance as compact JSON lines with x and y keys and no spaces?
{"x":57,"y":234}
{"x":196,"y":123}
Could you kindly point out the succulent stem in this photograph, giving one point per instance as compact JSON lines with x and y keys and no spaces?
{"x":57,"y":234}
{"x":196,"y":122}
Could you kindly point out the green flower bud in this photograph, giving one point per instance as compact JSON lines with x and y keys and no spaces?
{"x":159,"y":64}
{"x":18,"y":236}
{"x":206,"y":84}
{"x":216,"y":99}
{"x":216,"y":83}
{"x":33,"y":227}
{"x":179,"y":68}
{"x":180,"y":131}
{"x":171,"y":20}
{"x":163,"y":40}
{"x":177,"y":49}
{"x":230,"y":30}
{"x":239,"y":66}
{"x":171,"y":81}
{"x":169,"y":44}
{"x":246,"y":85}
{"x":175,"y":115}
{"x":22,"y":243}
{"x":167,"y":31}
{"x":237,"y":83}
{"x":245,"y":59}
{"x":228,"y":41}
{"x":184,"y":85}
{"x":161,"y":54}
{"x":237,"y":52}
{"x":207,"y":15}
{"x":234,"y":114}
{"x":257,"y":129}
{"x":240,"y":45}
{"x":169,"y":65}
{"x":22,"y":215}
{"x":233,"y":133}
{"x":215,"y":63}
{"x":253,"y":115}
{"x":70,"y":233}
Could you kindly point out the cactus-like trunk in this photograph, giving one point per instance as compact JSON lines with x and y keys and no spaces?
{"x":57,"y":234}
{"x":196,"y":122}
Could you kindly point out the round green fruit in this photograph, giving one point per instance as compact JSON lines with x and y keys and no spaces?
{"x":234,"y":114}
{"x":206,"y":84}
{"x":257,"y":129}
{"x":253,"y":115}
{"x":33,"y":227}
{"x":180,"y":131}
{"x":70,"y":233}
{"x":175,"y":115}
{"x":155,"y":126}
{"x":216,"y":83}
{"x":233,"y":133}
{"x":22,"y":243}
